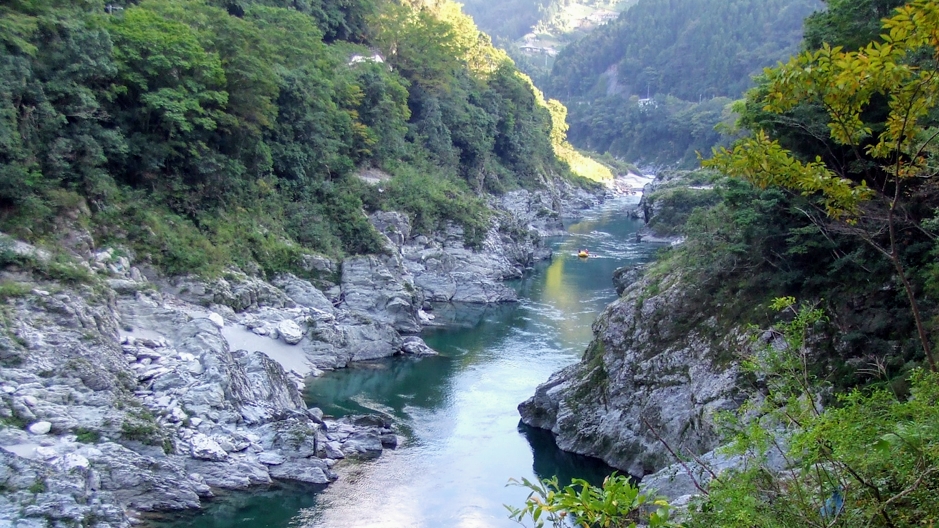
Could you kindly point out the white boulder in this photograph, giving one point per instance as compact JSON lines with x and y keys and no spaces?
{"x":290,"y":331}
{"x":40,"y":428}
{"x":205,"y":448}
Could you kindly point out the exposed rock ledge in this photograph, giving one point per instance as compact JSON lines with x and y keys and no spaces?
{"x":652,"y":373}
{"x":131,"y":394}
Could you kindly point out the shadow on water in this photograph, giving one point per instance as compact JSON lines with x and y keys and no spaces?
{"x":549,"y":461}
{"x":272,"y":507}
{"x":386,"y":386}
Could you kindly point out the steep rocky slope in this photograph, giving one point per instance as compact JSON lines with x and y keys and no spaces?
{"x":654,"y":374}
{"x":123,"y":392}
{"x":662,"y":360}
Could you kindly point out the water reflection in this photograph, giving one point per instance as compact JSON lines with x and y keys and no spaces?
{"x":458,"y":410}
{"x":273,"y":507}
{"x":550,"y":461}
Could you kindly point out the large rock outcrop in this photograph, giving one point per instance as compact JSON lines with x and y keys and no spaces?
{"x":117,"y":398}
{"x":654,"y":374}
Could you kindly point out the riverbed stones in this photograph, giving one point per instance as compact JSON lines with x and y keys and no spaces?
{"x":40,"y":428}
{"x":416,"y":346}
{"x":334,"y":450}
{"x":310,"y":470}
{"x":290,"y":331}
{"x":217,"y":319}
{"x":206,"y":448}
{"x":271,"y":459}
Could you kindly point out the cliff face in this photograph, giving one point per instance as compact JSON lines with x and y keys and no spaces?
{"x":661,"y":362}
{"x":122,"y":394}
{"x":652,"y":374}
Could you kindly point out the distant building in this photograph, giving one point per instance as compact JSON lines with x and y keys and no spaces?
{"x":374,"y":57}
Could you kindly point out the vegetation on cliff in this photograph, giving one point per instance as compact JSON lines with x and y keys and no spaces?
{"x":832,"y":201}
{"x":208,"y":132}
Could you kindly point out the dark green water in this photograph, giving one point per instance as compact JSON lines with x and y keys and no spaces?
{"x":458,"y":410}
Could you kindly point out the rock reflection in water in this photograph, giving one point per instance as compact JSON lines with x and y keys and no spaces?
{"x":549,"y":461}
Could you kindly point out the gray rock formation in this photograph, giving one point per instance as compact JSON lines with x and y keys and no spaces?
{"x":438,"y":267}
{"x":653,"y":373}
{"x":38,"y":494}
{"x":625,"y":276}
{"x":115,"y":403}
{"x":125,"y":394}
{"x":379,"y":288}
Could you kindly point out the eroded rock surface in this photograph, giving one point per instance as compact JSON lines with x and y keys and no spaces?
{"x":116,"y":402}
{"x":654,"y":374}
{"x":127,"y":393}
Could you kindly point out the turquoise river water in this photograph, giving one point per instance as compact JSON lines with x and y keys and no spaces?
{"x":457,"y":411}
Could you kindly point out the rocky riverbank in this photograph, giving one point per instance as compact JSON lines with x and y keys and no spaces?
{"x":659,"y":366}
{"x":124,"y":392}
{"x":653,"y":375}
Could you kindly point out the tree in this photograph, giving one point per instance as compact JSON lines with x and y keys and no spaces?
{"x":891,"y":158}
{"x":849,"y":23}
{"x":171,"y":89}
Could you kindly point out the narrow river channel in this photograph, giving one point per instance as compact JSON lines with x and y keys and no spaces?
{"x":458,"y":410}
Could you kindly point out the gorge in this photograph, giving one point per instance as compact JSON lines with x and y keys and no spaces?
{"x":277,"y":262}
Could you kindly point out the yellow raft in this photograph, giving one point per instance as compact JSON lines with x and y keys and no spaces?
{"x":583,"y":254}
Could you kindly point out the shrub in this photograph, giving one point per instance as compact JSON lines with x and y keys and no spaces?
{"x":618,"y":502}
{"x":430,"y":199}
{"x":870,"y":459}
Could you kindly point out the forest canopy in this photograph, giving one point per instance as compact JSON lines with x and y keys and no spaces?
{"x":190,"y":126}
{"x":651,"y":86}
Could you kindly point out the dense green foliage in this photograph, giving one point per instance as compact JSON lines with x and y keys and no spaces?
{"x":212,"y":132}
{"x":843,"y":216}
{"x":686,"y":48}
{"x":509,"y":19}
{"x":871,"y":459}
{"x":848,"y":23}
{"x":616,"y":503}
{"x":664,"y":130}
{"x":880,"y":104}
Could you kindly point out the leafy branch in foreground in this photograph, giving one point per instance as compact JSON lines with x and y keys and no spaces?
{"x":618,"y":503}
{"x":870,"y":459}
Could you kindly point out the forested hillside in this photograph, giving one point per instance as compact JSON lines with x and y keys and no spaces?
{"x":688,"y":57}
{"x":686,"y":48}
{"x":206,"y":132}
{"x":509,"y":19}
{"x":818,"y":229}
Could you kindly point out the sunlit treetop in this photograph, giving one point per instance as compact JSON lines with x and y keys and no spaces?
{"x":902,"y":69}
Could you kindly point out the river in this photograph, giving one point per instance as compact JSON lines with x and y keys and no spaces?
{"x":457,"y":411}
